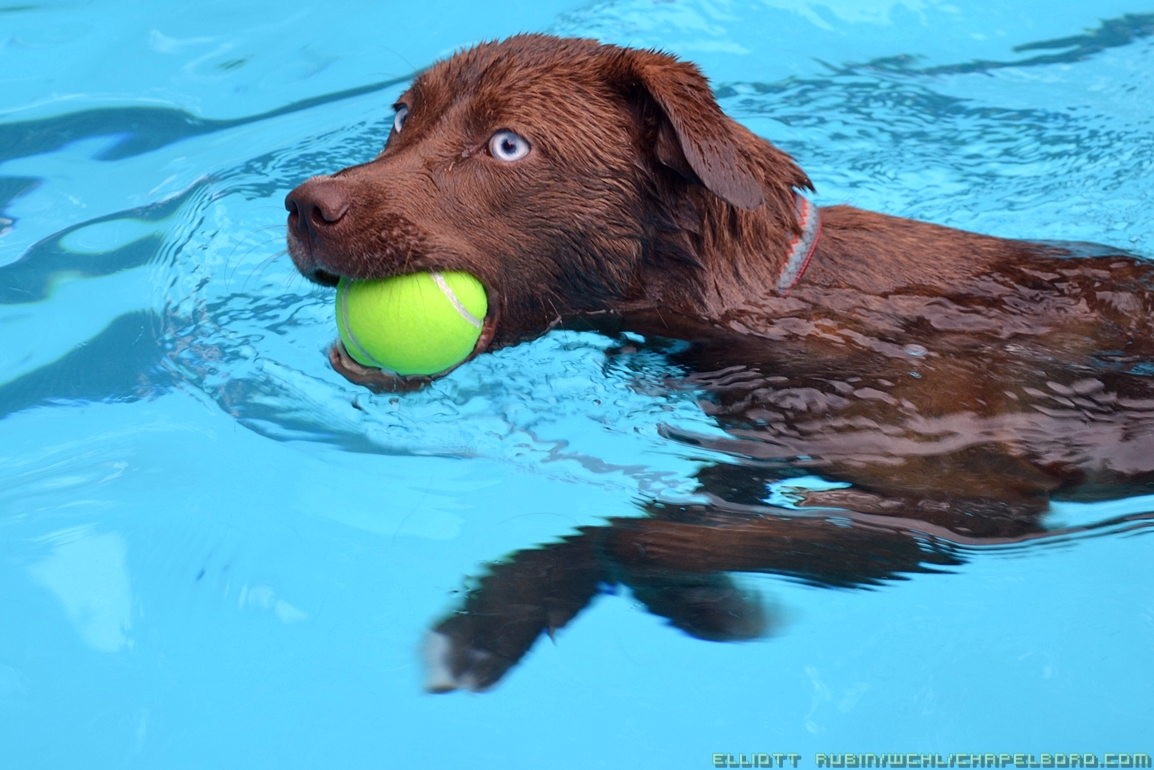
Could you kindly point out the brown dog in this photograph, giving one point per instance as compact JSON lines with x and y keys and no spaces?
{"x":956,"y":381}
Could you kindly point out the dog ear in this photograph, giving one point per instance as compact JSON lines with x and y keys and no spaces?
{"x":696,"y":135}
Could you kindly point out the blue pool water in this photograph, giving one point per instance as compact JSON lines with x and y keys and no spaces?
{"x":216,"y":553}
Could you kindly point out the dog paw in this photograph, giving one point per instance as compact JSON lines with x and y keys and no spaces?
{"x":451,"y":664}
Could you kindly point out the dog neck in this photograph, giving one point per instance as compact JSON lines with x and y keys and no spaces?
{"x":707,"y":257}
{"x":711,"y":259}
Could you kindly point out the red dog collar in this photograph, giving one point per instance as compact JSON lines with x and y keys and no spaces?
{"x":802,"y":246}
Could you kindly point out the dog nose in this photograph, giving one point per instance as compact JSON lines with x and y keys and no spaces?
{"x":317,"y":204}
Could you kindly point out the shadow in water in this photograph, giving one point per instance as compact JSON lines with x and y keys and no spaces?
{"x":125,"y":362}
{"x":143,"y":129}
{"x":1111,"y":33}
{"x":31,"y":277}
{"x":11,"y":188}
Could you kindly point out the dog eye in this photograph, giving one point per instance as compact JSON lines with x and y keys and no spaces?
{"x":507,"y":146}
{"x":399,"y":120}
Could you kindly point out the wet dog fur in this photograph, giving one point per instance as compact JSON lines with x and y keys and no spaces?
{"x":957,"y":381}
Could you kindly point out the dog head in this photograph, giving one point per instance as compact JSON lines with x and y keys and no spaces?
{"x":569,"y":177}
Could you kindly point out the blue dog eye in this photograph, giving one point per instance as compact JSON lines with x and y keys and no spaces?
{"x":507,"y":146}
{"x":399,"y":120}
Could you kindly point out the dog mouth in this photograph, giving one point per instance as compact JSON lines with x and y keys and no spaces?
{"x":325,"y":278}
{"x":385,"y":381}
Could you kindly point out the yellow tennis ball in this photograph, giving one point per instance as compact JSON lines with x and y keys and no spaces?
{"x":422,"y":323}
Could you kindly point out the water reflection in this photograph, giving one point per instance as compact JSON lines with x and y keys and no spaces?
{"x":950,"y":423}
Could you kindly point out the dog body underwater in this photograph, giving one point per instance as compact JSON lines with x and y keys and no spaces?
{"x":955,"y":382}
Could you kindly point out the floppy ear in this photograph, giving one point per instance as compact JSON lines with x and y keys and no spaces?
{"x":695,"y":135}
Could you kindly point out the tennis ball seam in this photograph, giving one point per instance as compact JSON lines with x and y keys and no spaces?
{"x":452,"y":297}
